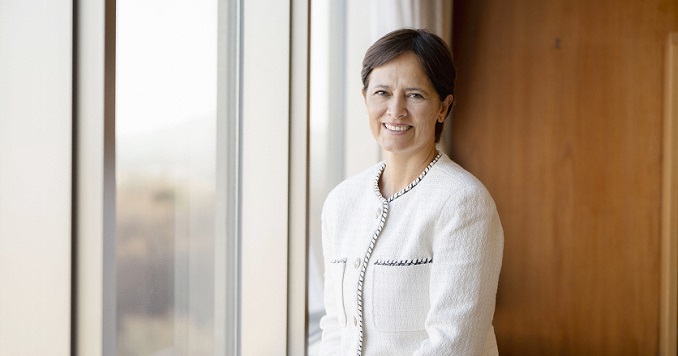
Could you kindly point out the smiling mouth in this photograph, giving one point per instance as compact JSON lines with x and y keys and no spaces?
{"x":401,"y":128}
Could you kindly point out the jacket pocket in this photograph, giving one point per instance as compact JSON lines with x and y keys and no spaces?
{"x":336,"y":280}
{"x":400,"y":295}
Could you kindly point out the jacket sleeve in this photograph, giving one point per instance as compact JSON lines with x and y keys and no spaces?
{"x":467,"y":256}
{"x":329,"y":323}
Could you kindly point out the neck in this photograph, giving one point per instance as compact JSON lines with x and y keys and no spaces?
{"x":402,"y":169}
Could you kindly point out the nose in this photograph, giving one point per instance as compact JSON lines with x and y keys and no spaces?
{"x":396,"y":107}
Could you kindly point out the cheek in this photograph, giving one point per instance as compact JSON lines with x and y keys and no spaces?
{"x":373,"y":117}
{"x":371,"y":113}
{"x":428,"y":117}
{"x":373,"y":110}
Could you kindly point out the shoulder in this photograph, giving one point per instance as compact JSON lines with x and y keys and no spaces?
{"x":451,"y":173}
{"x":451,"y":182}
{"x":352,"y":189}
{"x":355,"y":184}
{"x":468,"y":212}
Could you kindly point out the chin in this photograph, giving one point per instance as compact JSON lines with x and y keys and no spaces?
{"x":401,"y":149}
{"x":396,"y":149}
{"x":392,"y":147}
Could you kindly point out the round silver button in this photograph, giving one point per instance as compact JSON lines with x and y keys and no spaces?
{"x":378,"y":213}
{"x":355,"y":321}
{"x":356,"y":264}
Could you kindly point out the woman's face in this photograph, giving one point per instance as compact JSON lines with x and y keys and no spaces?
{"x":403,"y":106}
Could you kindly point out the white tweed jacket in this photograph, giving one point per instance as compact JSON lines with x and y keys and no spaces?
{"x":415,"y":274}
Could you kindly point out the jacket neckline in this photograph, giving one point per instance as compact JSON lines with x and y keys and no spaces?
{"x":409,"y":187}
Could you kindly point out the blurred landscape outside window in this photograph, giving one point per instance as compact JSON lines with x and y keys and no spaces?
{"x":166,"y":103}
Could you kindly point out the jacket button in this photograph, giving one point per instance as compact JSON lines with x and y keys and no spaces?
{"x":378,"y":213}
{"x":356,"y":264}
{"x":355,"y":321}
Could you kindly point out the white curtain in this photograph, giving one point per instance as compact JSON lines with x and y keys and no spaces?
{"x":433,"y":15}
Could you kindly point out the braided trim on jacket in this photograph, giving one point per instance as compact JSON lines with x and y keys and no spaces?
{"x":419,"y":261}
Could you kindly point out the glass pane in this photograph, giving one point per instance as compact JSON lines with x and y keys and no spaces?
{"x":328,"y":126}
{"x":341,"y":143}
{"x":166,"y":163}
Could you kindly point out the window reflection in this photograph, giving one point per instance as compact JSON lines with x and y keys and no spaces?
{"x":166,"y":147}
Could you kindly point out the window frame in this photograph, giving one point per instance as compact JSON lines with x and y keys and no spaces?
{"x":268,"y":218}
{"x":36,"y":82}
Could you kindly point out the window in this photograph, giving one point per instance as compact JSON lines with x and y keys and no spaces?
{"x":169,"y":240}
{"x":207,"y":157}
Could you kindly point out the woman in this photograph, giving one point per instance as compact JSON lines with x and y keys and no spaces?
{"x":413,"y":245}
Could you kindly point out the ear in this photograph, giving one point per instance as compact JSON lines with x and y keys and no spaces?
{"x":444,"y":106}
{"x":363,"y":92}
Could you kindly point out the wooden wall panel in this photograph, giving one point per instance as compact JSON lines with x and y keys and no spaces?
{"x":559,"y":112}
{"x":669,"y":289}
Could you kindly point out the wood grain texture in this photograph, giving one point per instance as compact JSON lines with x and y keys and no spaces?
{"x":560,"y":114}
{"x":669,"y":293}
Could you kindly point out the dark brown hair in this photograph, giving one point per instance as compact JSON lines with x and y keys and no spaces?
{"x":432,"y":52}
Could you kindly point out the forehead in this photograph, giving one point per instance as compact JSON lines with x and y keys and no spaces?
{"x":403,"y":69}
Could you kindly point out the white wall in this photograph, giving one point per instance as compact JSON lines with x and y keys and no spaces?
{"x":35,"y":176}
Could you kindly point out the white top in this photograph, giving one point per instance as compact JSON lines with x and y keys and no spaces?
{"x":414,"y":274}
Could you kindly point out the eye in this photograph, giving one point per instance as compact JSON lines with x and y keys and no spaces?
{"x":415,"y":96}
{"x":380,"y":93}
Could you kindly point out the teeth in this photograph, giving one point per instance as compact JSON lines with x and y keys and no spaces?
{"x":397,"y":128}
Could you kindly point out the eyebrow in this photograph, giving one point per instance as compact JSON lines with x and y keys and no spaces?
{"x":381,"y":86}
{"x":417,"y":89}
{"x":385,"y":86}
